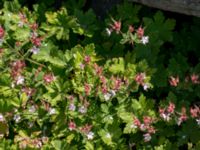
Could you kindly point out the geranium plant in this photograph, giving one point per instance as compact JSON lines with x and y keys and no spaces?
{"x":59,"y":91}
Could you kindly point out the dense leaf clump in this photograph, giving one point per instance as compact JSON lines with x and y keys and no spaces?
{"x":71,"y":81}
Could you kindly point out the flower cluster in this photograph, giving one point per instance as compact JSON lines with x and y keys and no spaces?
{"x":17,"y":68}
{"x":115,"y":26}
{"x":195,"y":113}
{"x":193,"y":78}
{"x":166,"y":113}
{"x":27,"y":142}
{"x":145,"y":127}
{"x":132,"y":36}
{"x":140,"y":80}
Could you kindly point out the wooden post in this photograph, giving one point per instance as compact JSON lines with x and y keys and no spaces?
{"x":188,"y":7}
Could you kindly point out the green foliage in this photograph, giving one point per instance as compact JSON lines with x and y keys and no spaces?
{"x":71,"y":81}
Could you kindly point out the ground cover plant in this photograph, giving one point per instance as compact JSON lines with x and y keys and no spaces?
{"x":70,"y":80}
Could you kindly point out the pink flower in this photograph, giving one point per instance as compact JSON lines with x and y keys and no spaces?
{"x":174,"y":81}
{"x":147,"y":120}
{"x":103,"y":79}
{"x":194,"y":112}
{"x":29,"y":91}
{"x":195,"y":79}
{"x":140,"y":32}
{"x":36,"y":41}
{"x":137,"y":122}
{"x":163,"y":114}
{"x":117,"y":84}
{"x":116,"y":26}
{"x":48,"y":78}
{"x":104,"y":89}
{"x":87,"y":59}
{"x":87,"y":89}
{"x":72,"y":125}
{"x":183,"y":116}
{"x":139,"y":78}
{"x":151,"y":130}
{"x":171,"y":107}
{"x":34,"y":26}
{"x":2,"y":32}
{"x":86,"y":129}
{"x":98,"y":69}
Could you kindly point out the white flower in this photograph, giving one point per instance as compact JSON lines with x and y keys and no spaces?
{"x":107,"y":96}
{"x":108,"y":135}
{"x":133,"y":126}
{"x":145,"y":40}
{"x":82,"y":109}
{"x":20,"y":80}
{"x":166,"y":116}
{"x":147,"y":137}
{"x":17,"y":118}
{"x":108,"y":31}
{"x":52,"y":111}
{"x":145,"y":87}
{"x":34,"y":50}
{"x":90,"y":135}
{"x":32,"y":109}
{"x":198,"y":121}
{"x":72,"y":107}
{"x":112,"y":92}
{"x":142,"y":127}
{"x":1,"y":118}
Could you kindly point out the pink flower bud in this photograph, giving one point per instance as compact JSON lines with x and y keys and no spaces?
{"x":194,"y":112}
{"x":87,"y":59}
{"x":48,"y":78}
{"x":2,"y":32}
{"x":72,"y":125}
{"x":195,"y":79}
{"x":139,"y":78}
{"x":171,"y":107}
{"x":174,"y":81}
{"x":87,"y":89}
{"x":137,"y":122}
{"x":140,"y":32}
{"x":116,"y":26}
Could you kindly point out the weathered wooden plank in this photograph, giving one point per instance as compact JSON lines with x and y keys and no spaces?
{"x":188,"y":7}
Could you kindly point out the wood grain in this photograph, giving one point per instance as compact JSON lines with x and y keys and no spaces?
{"x":188,"y":7}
